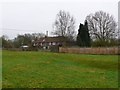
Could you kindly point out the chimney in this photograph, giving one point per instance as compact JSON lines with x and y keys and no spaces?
{"x":47,"y":33}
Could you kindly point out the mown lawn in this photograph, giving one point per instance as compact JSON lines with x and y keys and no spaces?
{"x":58,"y":70}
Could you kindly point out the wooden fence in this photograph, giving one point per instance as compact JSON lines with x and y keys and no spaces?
{"x":99,"y":50}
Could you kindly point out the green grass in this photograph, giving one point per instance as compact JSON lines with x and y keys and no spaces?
{"x":58,"y":70}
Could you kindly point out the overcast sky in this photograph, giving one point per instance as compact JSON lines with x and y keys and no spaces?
{"x":37,"y":16}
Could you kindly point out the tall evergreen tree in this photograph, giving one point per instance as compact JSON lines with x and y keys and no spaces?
{"x":87,"y":35}
{"x":83,"y":37}
{"x":79,"y":40}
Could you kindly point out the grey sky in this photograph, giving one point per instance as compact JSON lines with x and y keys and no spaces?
{"x":119,"y":17}
{"x":33,"y":16}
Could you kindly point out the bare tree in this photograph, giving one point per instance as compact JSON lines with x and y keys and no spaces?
{"x":64,"y":25}
{"x":102,"y":26}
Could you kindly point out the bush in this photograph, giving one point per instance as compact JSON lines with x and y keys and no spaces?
{"x":99,"y":43}
{"x":54,"y":48}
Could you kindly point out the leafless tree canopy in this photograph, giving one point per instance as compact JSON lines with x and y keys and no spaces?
{"x":64,"y":25}
{"x":102,"y":25}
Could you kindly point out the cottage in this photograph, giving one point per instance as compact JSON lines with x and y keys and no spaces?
{"x":47,"y":42}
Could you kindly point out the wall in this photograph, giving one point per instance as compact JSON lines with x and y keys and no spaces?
{"x":112,"y":50}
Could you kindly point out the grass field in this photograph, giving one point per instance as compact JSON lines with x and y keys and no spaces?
{"x":58,"y":70}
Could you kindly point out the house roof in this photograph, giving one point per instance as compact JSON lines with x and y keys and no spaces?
{"x":52,"y":39}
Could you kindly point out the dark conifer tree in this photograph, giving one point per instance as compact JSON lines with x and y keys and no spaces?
{"x":79,"y":40}
{"x":87,"y":35}
{"x":83,"y":37}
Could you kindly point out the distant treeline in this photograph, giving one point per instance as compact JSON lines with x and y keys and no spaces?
{"x":99,"y":30}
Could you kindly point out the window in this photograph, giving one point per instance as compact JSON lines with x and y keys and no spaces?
{"x":41,"y":44}
{"x":50,"y":43}
{"x":54,"y":43}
